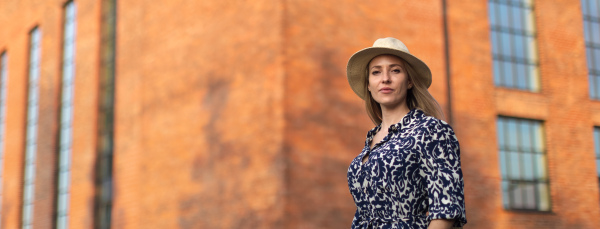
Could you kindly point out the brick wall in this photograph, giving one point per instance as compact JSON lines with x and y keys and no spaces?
{"x":199,"y":115}
{"x":240,"y":115}
{"x":17,"y":47}
{"x":17,"y":19}
{"x":563,"y":105}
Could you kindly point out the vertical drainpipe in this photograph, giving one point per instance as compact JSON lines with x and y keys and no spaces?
{"x":450,"y":118}
{"x":105,"y":141}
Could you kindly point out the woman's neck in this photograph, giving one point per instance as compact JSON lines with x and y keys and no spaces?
{"x":393,"y":115}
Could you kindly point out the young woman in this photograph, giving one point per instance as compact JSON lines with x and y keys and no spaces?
{"x":408,"y":175}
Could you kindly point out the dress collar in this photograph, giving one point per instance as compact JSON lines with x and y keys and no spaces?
{"x":412,"y":115}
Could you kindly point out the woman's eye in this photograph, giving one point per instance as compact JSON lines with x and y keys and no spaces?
{"x":396,"y":71}
{"x":374,"y":72}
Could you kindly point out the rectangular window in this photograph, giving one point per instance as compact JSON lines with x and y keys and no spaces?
{"x":31,"y":129}
{"x":514,"y":47}
{"x":66,"y":117}
{"x":591,"y":28}
{"x":105,"y":138}
{"x":3,"y":79}
{"x":597,"y":149}
{"x":523,"y":164}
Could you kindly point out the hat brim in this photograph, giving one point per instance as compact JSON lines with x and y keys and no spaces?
{"x":356,"y":70}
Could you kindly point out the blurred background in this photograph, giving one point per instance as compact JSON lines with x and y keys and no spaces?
{"x":237,"y":114}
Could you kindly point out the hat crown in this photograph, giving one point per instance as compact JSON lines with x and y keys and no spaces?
{"x":390,"y":42}
{"x":359,"y":61}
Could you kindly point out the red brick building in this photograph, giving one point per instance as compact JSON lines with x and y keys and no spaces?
{"x":223,"y":114}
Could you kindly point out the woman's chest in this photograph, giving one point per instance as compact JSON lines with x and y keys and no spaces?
{"x":397,"y":158}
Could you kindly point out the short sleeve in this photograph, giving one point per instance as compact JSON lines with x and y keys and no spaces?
{"x":356,"y":220}
{"x":445,"y":187}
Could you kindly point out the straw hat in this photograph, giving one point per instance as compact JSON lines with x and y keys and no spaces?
{"x":356,"y":70}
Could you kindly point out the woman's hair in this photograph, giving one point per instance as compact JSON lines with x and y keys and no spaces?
{"x":416,"y":97}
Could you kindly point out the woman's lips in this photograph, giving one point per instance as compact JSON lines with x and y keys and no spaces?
{"x":386,"y":90}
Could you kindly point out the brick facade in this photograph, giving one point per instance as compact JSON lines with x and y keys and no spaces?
{"x":240,"y":116}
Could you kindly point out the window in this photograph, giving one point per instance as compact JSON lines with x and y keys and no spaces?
{"x":31,"y":129}
{"x":591,"y":28}
{"x":523,"y":165}
{"x":3,"y":78}
{"x":66,"y":117}
{"x":514,"y":46}
{"x":105,"y":138}
{"x":597,"y":149}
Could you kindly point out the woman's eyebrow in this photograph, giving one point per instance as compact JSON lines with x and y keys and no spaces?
{"x":391,"y":65}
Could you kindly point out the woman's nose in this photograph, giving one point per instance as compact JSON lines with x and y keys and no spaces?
{"x":386,"y":77}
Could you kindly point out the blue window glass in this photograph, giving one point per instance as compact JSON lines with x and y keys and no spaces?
{"x":3,"y":81}
{"x":591,"y":28}
{"x":514,"y":47}
{"x":597,"y":151}
{"x":66,"y":117}
{"x":31,"y":129}
{"x":523,"y":165}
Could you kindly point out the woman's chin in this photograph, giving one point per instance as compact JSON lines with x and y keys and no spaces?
{"x":389,"y":103}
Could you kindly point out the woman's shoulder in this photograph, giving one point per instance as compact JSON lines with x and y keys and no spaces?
{"x":433,"y":124}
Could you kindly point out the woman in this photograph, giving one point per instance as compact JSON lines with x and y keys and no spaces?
{"x":408,"y":174}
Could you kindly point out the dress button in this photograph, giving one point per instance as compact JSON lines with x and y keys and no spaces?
{"x":394,"y":128}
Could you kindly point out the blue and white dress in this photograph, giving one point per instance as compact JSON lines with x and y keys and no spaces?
{"x":410,"y":178}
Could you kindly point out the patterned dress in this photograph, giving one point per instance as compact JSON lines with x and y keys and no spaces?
{"x":411,"y":177}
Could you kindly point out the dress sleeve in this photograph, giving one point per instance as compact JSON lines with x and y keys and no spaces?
{"x":445,"y":187}
{"x":356,"y":220}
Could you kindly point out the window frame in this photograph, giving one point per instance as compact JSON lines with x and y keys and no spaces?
{"x":3,"y":93}
{"x":596,"y":136}
{"x":534,"y":149}
{"x":512,"y":68}
{"x":65,"y":138}
{"x":35,"y":42}
{"x":592,"y":45}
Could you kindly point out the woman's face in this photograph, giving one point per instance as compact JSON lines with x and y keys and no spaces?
{"x":388,"y":81}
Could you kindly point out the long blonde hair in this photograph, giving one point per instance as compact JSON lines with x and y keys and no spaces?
{"x":416,"y":97}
